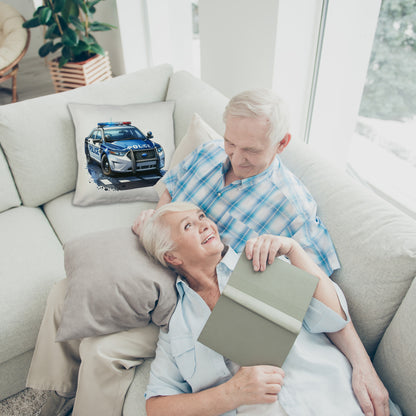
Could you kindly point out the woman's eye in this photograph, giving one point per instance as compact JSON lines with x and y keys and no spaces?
{"x":187,"y":226}
{"x":202,"y":216}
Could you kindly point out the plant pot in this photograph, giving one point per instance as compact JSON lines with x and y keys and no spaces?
{"x":78,"y":74}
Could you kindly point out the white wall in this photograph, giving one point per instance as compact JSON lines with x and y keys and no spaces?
{"x":238,"y":42}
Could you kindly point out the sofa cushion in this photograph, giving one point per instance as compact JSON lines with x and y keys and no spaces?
{"x":191,"y":95}
{"x":70,"y":221}
{"x":374,"y":241}
{"x":9,"y":196}
{"x":113,"y":286}
{"x":31,"y":259}
{"x":198,"y":133}
{"x":95,"y":187}
{"x":41,"y":150}
{"x":394,"y":359}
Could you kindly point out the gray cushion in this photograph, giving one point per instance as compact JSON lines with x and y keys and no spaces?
{"x":113,"y":286}
{"x":31,"y":260}
{"x":394,"y":359}
{"x":375,"y":242}
{"x":41,"y":151}
{"x":9,"y":196}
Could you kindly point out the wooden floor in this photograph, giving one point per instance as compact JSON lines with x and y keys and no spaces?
{"x":33,"y":80}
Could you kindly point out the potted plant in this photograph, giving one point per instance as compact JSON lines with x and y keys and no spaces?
{"x":68,"y":32}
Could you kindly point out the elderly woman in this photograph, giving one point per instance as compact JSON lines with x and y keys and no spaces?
{"x":188,"y":378}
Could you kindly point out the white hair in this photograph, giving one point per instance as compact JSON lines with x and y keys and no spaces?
{"x":262,"y":104}
{"x":156,"y":235}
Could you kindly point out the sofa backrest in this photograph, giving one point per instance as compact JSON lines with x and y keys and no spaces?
{"x":9,"y":198}
{"x":38,"y":135}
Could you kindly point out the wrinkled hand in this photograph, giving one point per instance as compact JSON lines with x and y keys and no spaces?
{"x":264,"y":249}
{"x":371,"y":394}
{"x":256,"y":385}
{"x":141,"y":219}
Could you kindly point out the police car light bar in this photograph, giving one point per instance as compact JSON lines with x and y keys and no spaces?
{"x":114,"y":123}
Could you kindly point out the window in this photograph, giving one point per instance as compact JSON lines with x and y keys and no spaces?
{"x":383,"y":147}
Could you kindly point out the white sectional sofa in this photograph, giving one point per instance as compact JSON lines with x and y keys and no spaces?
{"x":376,"y":243}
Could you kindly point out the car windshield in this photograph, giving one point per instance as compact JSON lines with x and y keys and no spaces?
{"x":122,"y":133}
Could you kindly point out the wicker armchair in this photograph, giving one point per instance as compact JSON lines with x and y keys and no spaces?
{"x":14,"y":42}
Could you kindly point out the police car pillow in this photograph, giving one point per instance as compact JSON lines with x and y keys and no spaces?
{"x":113,"y":285}
{"x":122,"y":150}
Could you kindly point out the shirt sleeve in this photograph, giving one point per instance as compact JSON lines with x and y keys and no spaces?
{"x":319,"y":318}
{"x":165,"y":378}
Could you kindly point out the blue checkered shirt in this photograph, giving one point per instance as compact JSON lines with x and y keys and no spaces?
{"x":273,"y":202}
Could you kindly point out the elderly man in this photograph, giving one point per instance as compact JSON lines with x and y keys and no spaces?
{"x":241,"y":185}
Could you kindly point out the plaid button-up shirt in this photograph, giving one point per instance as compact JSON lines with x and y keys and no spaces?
{"x":272,"y":202}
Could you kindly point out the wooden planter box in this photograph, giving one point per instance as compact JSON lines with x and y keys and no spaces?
{"x":78,"y":74}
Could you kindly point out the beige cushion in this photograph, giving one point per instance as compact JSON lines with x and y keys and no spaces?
{"x":394,"y":359}
{"x":198,"y":132}
{"x":192,"y":95}
{"x":31,"y":259}
{"x":93,"y":187}
{"x":13,"y":36}
{"x":41,"y":151}
{"x":9,"y":196}
{"x":375,"y":242}
{"x":113,"y":286}
{"x":70,"y":221}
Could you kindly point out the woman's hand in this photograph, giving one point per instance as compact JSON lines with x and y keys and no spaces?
{"x":141,"y":219}
{"x":264,"y":249}
{"x":255,"y":385}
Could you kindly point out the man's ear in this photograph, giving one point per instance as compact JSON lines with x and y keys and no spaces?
{"x":170,"y":258}
{"x":283,"y":143}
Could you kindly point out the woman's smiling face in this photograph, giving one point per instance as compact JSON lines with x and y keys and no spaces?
{"x":195,"y":236}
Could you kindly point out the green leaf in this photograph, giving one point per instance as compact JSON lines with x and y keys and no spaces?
{"x":58,"y":5}
{"x":100,"y":27}
{"x":62,"y":61}
{"x":70,"y":37}
{"x":45,"y":49}
{"x":96,"y":48}
{"x":34,"y":22}
{"x":66,"y":52}
{"x":57,"y":46}
{"x":44,"y":15}
{"x":52,"y":32}
{"x":77,"y":23}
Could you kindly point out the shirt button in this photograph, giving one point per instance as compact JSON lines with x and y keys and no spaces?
{"x":219,"y":194}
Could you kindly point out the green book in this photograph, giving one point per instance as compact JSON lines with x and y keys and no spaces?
{"x":259,"y":314}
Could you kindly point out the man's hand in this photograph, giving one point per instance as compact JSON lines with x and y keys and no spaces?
{"x":255,"y":385}
{"x":141,"y":219}
{"x":370,"y":392}
{"x":264,"y":249}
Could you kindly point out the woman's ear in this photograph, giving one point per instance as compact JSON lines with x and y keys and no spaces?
{"x":170,"y":258}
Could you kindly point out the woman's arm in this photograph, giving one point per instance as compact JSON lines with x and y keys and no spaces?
{"x":250,"y":385}
{"x":368,"y":388}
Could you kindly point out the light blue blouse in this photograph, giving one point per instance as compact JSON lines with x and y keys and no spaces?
{"x":317,"y":375}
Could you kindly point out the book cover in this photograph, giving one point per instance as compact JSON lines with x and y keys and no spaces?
{"x":259,"y":314}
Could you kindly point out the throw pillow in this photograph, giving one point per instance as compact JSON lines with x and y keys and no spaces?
{"x":113,"y":285}
{"x":122,"y":150}
{"x":198,"y":133}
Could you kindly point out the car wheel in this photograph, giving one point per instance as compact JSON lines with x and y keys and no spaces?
{"x":105,"y":166}
{"x":87,"y":154}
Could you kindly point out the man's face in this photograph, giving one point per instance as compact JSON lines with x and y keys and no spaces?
{"x":247,"y":146}
{"x":195,"y":236}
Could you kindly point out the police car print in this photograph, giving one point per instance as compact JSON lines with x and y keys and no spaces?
{"x":124,"y":156}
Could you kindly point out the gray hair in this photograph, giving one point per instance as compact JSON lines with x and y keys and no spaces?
{"x":261,"y":103}
{"x":156,"y":236}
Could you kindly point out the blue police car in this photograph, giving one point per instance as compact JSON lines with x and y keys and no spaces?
{"x":120,"y":147}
